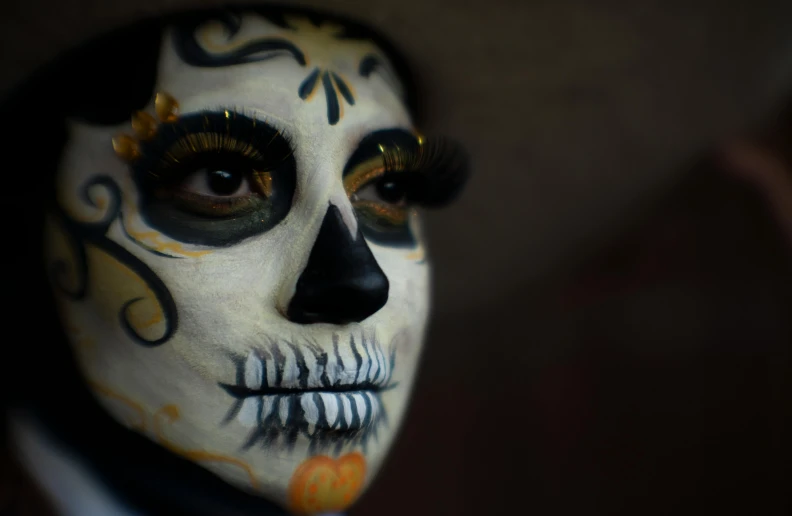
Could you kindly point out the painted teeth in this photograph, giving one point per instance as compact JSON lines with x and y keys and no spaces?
{"x":254,"y":371}
{"x":360,"y":405}
{"x":366,"y":365}
{"x":331,"y":403}
{"x":310,"y":410}
{"x":347,"y":410}
{"x":248,"y":414}
{"x":327,"y":394}
{"x":284,"y":410}
{"x":331,"y":369}
{"x":290,"y":372}
{"x":287,"y":366}
{"x":267,"y":403}
{"x":328,"y":411}
{"x":314,"y":371}
{"x":375,"y":365}
{"x":374,"y":404}
{"x":270,"y":367}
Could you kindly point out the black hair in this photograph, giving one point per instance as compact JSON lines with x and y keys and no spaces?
{"x":102,"y":83}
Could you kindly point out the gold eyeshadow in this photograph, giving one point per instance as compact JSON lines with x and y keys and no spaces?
{"x":381,"y":212}
{"x":263,"y":180}
{"x":364,"y":174}
{"x":221,"y":208}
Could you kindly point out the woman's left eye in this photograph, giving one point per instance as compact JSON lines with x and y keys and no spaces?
{"x":217,"y":182}
{"x":388,"y":191}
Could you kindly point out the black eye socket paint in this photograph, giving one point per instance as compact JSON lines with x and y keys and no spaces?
{"x":392,"y":171}
{"x":200,"y":148}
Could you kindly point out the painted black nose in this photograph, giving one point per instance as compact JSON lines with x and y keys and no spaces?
{"x":342,"y":282}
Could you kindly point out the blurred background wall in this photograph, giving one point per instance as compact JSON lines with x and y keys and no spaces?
{"x":650,"y":378}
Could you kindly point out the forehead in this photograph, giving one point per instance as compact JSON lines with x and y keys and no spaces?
{"x":301,"y":75}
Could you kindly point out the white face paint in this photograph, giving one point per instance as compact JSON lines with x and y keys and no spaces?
{"x":182,"y":317}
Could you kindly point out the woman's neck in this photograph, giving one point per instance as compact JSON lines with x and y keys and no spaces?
{"x":102,"y":468}
{"x":71,"y":487}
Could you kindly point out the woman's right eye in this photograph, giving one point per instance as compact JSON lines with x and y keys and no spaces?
{"x":217,"y":182}
{"x":214,"y":178}
{"x":221,"y":188}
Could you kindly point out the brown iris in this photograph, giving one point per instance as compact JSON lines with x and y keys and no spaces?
{"x":378,"y":197}
{"x":220,"y":192}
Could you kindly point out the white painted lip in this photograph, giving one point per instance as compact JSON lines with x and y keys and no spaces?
{"x":329,"y":395}
{"x":283,"y":367}
{"x":329,"y":411}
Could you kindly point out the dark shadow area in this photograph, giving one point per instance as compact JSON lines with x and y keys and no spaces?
{"x":652,"y":380}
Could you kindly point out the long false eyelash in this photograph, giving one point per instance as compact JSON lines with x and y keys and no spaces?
{"x":240,"y":134}
{"x":192,"y":143}
{"x":254,"y":114}
{"x":435,"y":171}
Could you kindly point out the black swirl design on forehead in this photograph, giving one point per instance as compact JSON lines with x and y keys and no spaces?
{"x":191,"y":52}
{"x":337,"y":89}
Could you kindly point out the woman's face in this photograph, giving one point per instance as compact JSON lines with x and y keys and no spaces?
{"x":240,"y":268}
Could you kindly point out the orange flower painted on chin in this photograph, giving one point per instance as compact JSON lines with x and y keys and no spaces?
{"x":322,"y":484}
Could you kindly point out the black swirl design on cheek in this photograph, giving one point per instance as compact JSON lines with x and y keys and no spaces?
{"x":81,"y":234}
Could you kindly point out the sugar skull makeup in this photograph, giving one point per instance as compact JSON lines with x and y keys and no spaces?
{"x":239,"y":266}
